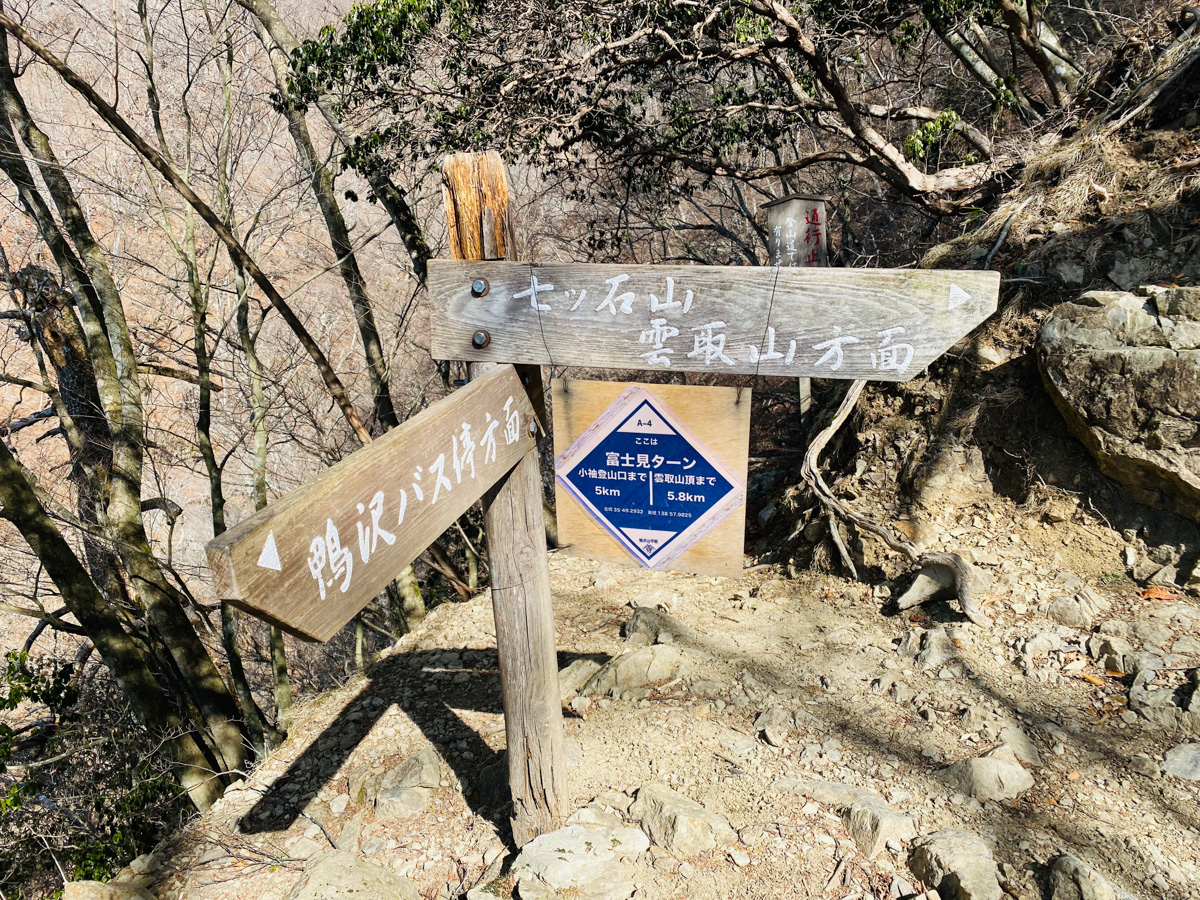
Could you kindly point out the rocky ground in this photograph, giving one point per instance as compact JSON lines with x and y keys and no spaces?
{"x":762,"y":737}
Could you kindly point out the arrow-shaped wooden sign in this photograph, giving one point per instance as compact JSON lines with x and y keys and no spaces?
{"x":312,"y":559}
{"x":877,"y":324}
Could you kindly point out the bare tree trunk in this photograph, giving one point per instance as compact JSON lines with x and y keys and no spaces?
{"x":391,"y":196}
{"x":320,"y":179}
{"x":258,"y":417}
{"x":1041,"y":45}
{"x":197,"y":771}
{"x":283,"y":684}
{"x":986,"y":72}
{"x":118,"y":123}
{"x":112,"y":350}
{"x":407,"y":604}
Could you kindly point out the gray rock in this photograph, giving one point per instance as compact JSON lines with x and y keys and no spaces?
{"x":643,"y":667}
{"x":1183,"y":762}
{"x":604,"y":580}
{"x":656,"y":625}
{"x":955,"y":477}
{"x":775,"y":717}
{"x":595,"y":815}
{"x":1079,"y":610}
{"x":928,"y":649}
{"x":872,"y":823}
{"x":421,"y":770}
{"x":776,"y":736}
{"x":336,"y":874}
{"x":1073,"y":879}
{"x":957,"y":864}
{"x":98,"y":890}
{"x":575,"y":861}
{"x":831,"y":793}
{"x":147,"y":864}
{"x":573,"y":677}
{"x":1104,"y":360}
{"x":1150,"y":632}
{"x":1144,"y":765}
{"x":1176,"y":710}
{"x":677,"y":823}
{"x":1112,"y":652}
{"x":364,"y":781}
{"x":1022,"y":745}
{"x":1187,"y":644}
{"x":1066,"y":611}
{"x":738,"y":743}
{"x":997,"y":775}
{"x":401,"y":802}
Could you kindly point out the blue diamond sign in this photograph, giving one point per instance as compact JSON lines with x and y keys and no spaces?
{"x":648,"y":480}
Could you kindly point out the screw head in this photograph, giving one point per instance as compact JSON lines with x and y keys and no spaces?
{"x":479,"y":287}
{"x":480,"y":339}
{"x":532,"y":427}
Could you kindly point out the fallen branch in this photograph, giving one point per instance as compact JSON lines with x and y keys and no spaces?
{"x":987,"y":264}
{"x":963,"y":573}
{"x":14,"y":426}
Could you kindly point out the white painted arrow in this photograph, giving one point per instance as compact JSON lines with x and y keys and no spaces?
{"x":958,"y":296}
{"x":269,"y":558}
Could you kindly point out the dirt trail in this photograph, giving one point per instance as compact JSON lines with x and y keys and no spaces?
{"x":818,"y":648}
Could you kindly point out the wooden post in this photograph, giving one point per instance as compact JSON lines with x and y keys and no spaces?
{"x":796,"y":236}
{"x":475,"y":187}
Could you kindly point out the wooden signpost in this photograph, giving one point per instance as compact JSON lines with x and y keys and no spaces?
{"x":311,"y":560}
{"x":475,"y":186}
{"x":877,"y":324}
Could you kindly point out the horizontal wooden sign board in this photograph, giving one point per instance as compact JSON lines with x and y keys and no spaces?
{"x":312,"y":559}
{"x":877,"y":324}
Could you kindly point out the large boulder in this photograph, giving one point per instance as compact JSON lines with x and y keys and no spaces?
{"x":645,"y":667}
{"x":585,"y":863}
{"x":997,"y":775}
{"x":1124,"y":371}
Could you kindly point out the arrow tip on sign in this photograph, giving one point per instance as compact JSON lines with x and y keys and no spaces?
{"x":269,"y":558}
{"x":958,"y":296}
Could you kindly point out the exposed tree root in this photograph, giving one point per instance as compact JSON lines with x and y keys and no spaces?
{"x":965,"y":576}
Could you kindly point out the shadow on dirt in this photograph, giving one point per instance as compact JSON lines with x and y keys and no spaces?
{"x":430,"y":693}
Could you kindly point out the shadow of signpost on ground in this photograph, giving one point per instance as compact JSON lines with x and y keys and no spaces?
{"x":422,"y":687}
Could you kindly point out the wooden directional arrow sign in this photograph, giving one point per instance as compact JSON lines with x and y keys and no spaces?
{"x":312,"y":559}
{"x":877,"y":324}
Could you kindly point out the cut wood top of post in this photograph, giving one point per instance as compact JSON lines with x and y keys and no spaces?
{"x":312,"y":559}
{"x":876,"y":324}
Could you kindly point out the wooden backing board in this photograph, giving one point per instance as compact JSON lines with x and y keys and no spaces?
{"x":718,"y":416}
{"x":360,"y":522}
{"x":877,"y":324}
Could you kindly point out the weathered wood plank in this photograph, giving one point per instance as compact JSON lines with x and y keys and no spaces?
{"x":312,"y":559}
{"x":718,"y":416}
{"x":878,"y":324}
{"x":476,"y":190}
